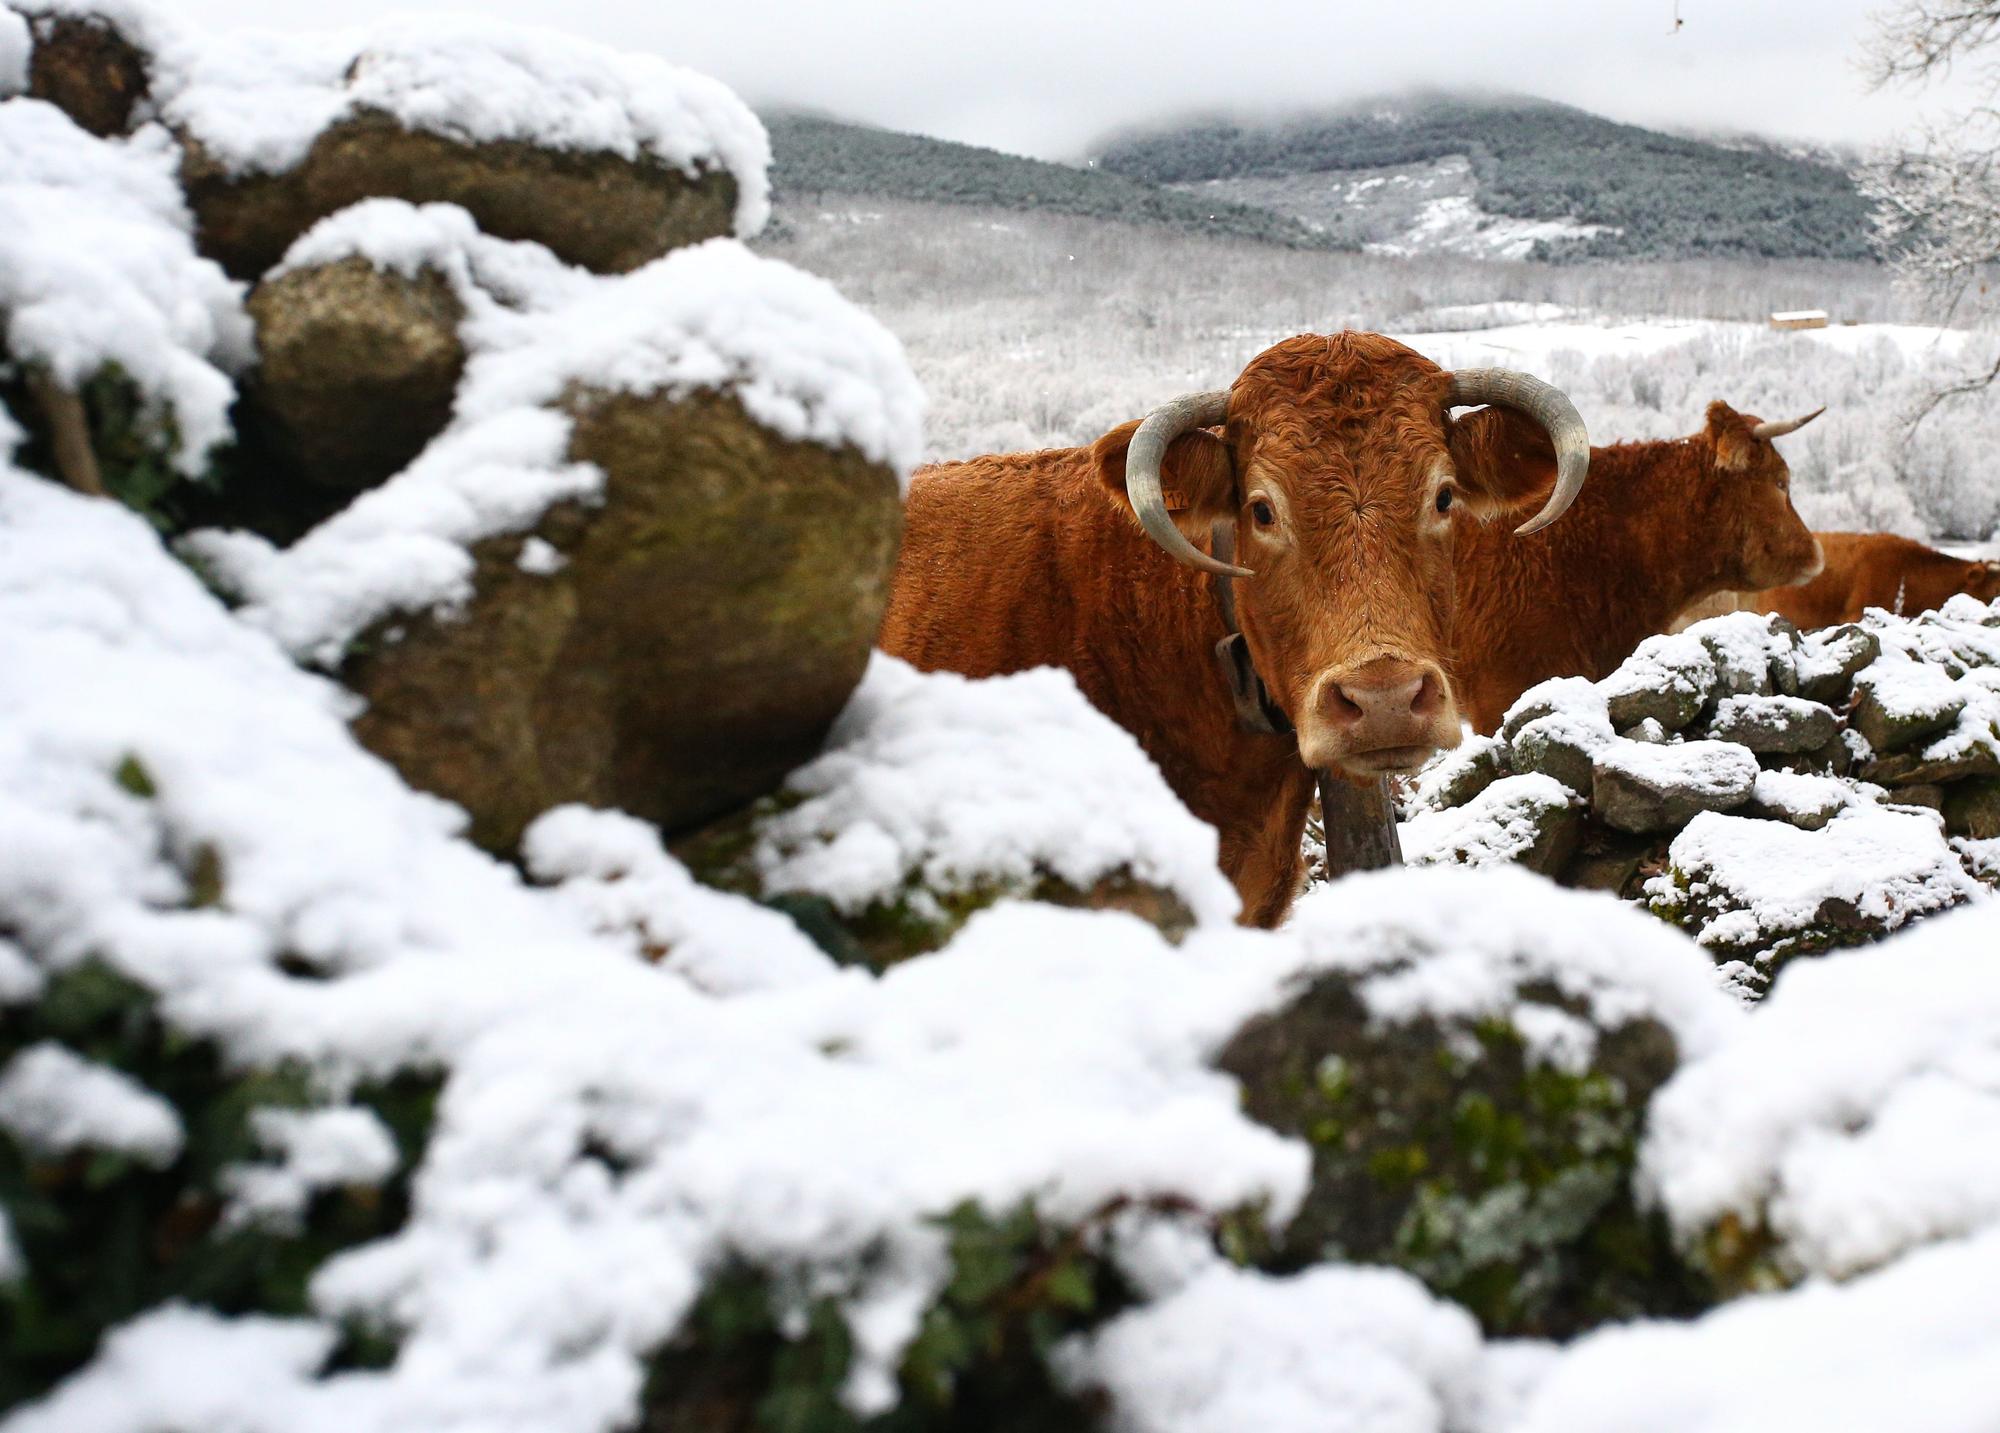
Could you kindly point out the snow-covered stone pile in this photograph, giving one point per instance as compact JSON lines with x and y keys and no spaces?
{"x":1771,"y":792}
{"x":430,"y":344}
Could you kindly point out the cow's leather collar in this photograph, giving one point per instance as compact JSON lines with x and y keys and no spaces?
{"x":1255,"y":711}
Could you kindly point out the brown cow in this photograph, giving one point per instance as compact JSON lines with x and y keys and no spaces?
{"x":1333,"y":478}
{"x":1876,"y":569}
{"x":1663,"y":526}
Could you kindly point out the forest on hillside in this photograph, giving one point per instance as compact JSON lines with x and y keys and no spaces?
{"x":1659,"y":195}
{"x":815,"y":156}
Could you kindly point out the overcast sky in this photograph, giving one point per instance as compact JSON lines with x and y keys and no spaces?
{"x":1046,"y":77}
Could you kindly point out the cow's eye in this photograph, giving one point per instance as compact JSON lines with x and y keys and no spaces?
{"x":1261,"y":512}
{"x":1444,"y":500}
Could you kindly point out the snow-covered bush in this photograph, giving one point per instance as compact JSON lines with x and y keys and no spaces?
{"x":105,"y":303}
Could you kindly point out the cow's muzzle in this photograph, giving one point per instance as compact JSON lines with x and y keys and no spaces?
{"x":1382,"y":717}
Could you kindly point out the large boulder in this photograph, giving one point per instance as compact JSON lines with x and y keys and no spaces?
{"x":672,"y":650}
{"x":1473,"y":1093}
{"x":645,"y":565}
{"x":1641,"y":787}
{"x":604,"y":211}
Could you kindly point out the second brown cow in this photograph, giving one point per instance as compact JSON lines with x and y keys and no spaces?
{"x":1662,"y":526}
{"x":1877,"y":569}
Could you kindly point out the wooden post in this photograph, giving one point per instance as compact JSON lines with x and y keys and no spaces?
{"x":1360,"y":825}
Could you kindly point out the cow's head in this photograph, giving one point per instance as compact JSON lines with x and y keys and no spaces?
{"x":1746,"y":503}
{"x":1983,"y":580}
{"x":1337,"y":468}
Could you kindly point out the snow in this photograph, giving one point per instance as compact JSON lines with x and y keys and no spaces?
{"x":612,"y":870}
{"x":1455,"y":224}
{"x":1910,"y":1348}
{"x":1498,"y":825}
{"x":55,"y":1103}
{"x":1461,"y":945}
{"x":97,"y":268}
{"x":256,"y":100}
{"x":488,"y":275}
{"x":811,"y":1126}
{"x":896,"y":801}
{"x":1772,"y":882}
{"x":16,"y":45}
{"x":182,"y":1367}
{"x":802,"y":361}
{"x":1875,"y":1126}
{"x":540,"y":558}
{"x":1678,"y":662}
{"x":315,"y":1150}
{"x":1336,"y":1350}
{"x":1800,"y":794}
{"x":1713,"y":770}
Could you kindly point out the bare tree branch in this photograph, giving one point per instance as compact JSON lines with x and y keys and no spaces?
{"x":69,"y":432}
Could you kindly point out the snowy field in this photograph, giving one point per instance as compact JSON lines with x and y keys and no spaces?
{"x":1031,"y":332}
{"x":575,"y":1136}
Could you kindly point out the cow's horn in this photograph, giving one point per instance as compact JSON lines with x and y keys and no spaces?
{"x":1549,"y":406}
{"x":1790,"y":425}
{"x":1143,"y":457}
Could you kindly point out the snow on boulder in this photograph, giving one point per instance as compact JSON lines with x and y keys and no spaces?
{"x":1668,"y":679}
{"x":1875,"y":1123}
{"x":102,"y":295}
{"x":1469,"y":1056}
{"x":886,"y":843}
{"x":363,"y":334}
{"x":1757,"y":892}
{"x":712,"y":446}
{"x":608,"y":158}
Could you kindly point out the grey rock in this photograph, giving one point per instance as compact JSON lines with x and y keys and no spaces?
{"x":1771,"y":724}
{"x":1829,"y":661}
{"x":1641,"y":789}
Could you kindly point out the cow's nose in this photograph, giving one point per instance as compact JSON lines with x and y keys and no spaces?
{"x":1386,"y":692}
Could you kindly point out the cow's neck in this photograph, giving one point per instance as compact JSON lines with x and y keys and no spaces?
{"x":1144,"y":653}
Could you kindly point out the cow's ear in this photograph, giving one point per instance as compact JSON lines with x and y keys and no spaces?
{"x":1198,"y":476}
{"x":1504,"y":461}
{"x":1729,"y":434}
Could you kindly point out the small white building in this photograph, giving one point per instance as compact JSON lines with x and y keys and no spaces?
{"x":1800,"y":318}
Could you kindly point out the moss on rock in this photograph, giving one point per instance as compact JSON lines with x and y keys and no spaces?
{"x":1502,"y":1180}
